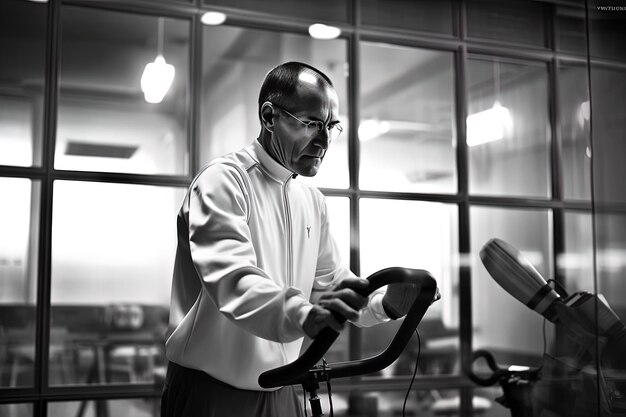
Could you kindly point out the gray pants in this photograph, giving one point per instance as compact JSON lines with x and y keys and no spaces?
{"x":191,"y":393}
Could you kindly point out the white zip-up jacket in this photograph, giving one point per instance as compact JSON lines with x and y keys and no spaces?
{"x":254,"y":249}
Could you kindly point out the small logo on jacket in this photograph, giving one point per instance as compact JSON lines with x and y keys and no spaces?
{"x":308,"y":232}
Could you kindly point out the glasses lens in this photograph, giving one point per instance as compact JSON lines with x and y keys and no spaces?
{"x":335,"y":131}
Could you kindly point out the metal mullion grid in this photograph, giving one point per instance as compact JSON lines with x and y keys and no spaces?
{"x":178,"y":10}
{"x":596,"y":281}
{"x":355,"y":337}
{"x":42,"y":337}
{"x":195,"y":79}
{"x":47,"y":174}
{"x":557,"y":191}
{"x":41,"y":393}
{"x":465,"y":273}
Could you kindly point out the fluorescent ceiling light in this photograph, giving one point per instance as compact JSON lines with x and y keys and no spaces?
{"x":370,"y":129}
{"x":488,"y":125}
{"x":321,"y":31}
{"x":213,"y":18}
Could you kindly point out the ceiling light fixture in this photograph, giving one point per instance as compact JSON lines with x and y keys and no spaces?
{"x":491,"y":124}
{"x":213,"y":18}
{"x":321,"y":31}
{"x":157,"y":77}
{"x":370,"y":129}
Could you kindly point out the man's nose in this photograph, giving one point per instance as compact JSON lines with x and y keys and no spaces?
{"x":322,"y":139}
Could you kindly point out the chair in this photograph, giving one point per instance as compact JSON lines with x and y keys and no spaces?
{"x":21,"y":354}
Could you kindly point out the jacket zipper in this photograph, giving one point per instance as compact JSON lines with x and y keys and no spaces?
{"x":289,"y":232}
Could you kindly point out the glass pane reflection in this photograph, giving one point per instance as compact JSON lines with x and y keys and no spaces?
{"x":407,"y":130}
{"x":104,"y":121}
{"x":611,"y":269}
{"x":415,"y":235}
{"x":575,"y":132}
{"x":19,"y":236}
{"x":508,"y":129}
{"x":112,"y":259}
{"x":235,"y":63}
{"x":608,"y":86}
{"x":502,"y":324}
{"x":576,"y":263}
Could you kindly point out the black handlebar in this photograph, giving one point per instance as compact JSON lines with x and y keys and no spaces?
{"x":297,"y":371}
{"x":497,"y":372}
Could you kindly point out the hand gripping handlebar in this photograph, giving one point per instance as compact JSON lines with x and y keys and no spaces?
{"x":297,"y":372}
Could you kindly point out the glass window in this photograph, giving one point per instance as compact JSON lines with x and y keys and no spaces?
{"x":611,"y":257}
{"x":112,"y":260}
{"x":339,"y":217}
{"x":512,"y":332}
{"x":23,"y":49}
{"x":19,"y":237}
{"x":570,"y":29}
{"x":423,"y":236}
{"x":608,"y":113}
{"x":407,"y":129}
{"x":20,"y":409}
{"x":606,"y":30}
{"x":112,"y":114}
{"x":508,"y":129}
{"x":513,"y":21}
{"x":235,"y":62}
{"x":611,"y":269}
{"x":575,"y":132}
{"x":323,"y":11}
{"x":576,"y":263}
{"x":430,"y":16}
{"x":134,"y":407}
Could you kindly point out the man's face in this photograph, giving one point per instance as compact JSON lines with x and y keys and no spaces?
{"x":297,"y":147}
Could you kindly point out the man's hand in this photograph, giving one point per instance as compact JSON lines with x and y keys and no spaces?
{"x":340,"y":301}
{"x":399,"y":298}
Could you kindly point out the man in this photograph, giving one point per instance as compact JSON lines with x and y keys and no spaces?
{"x":256,"y":267}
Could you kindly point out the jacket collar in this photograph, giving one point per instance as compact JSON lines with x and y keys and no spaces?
{"x":270,"y":165}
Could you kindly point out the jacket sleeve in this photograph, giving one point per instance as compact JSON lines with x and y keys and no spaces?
{"x":330,"y":271}
{"x":225,"y":259}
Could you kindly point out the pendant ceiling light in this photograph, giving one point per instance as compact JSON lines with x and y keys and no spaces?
{"x":158,"y":75}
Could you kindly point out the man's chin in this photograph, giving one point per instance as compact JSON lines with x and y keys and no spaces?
{"x":309,"y":172}
{"x":310,"y":169}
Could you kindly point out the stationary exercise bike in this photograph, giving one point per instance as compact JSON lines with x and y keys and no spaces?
{"x":307,"y":372}
{"x":572,"y":383}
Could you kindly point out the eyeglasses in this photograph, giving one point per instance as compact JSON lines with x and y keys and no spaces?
{"x":334,"y":130}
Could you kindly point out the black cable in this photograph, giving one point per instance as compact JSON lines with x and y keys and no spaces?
{"x":330,"y":399}
{"x":417,"y":359}
{"x":330,"y":395}
{"x":545,"y":344}
{"x":304,"y":396}
{"x":563,"y":293}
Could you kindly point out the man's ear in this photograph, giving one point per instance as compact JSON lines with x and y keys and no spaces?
{"x":267,"y":116}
